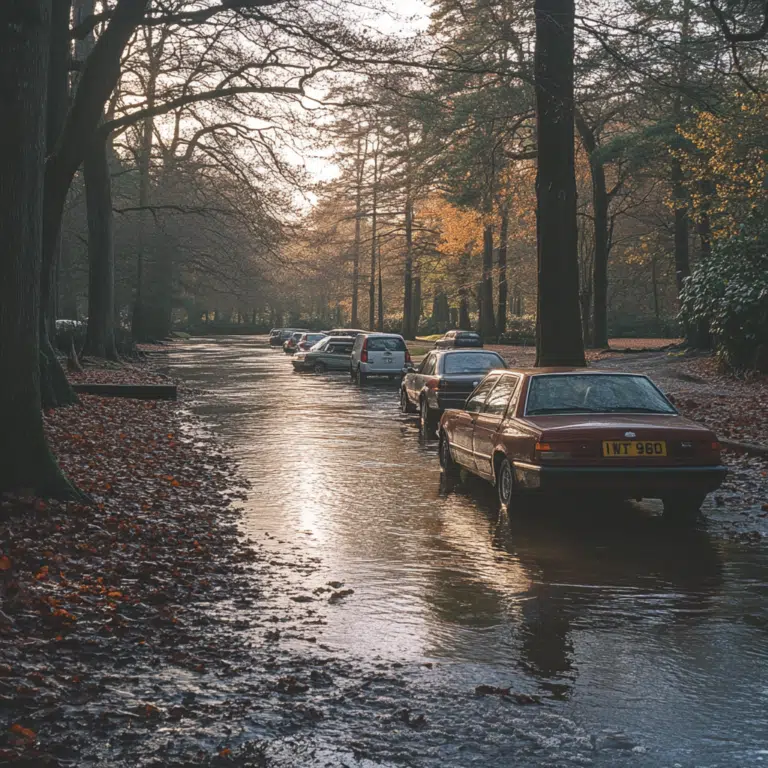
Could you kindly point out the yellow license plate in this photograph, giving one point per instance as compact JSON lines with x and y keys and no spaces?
{"x":634,"y":448}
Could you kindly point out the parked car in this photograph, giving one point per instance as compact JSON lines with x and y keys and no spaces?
{"x":444,"y":380}
{"x":580,"y":430}
{"x":351,"y":332}
{"x":454,"y":339}
{"x":274,"y":337}
{"x":330,"y":354}
{"x":378,"y":354}
{"x":291,"y":344}
{"x":308,"y":340}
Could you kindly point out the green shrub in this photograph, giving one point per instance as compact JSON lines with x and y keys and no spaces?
{"x":729,"y":292}
{"x":520,"y":330}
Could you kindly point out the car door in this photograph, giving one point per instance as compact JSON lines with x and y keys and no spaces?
{"x":489,"y":422}
{"x":464,"y":422}
{"x":338,"y":357}
{"x":415,"y":381}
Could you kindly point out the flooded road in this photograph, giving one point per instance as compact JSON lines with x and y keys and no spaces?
{"x":645,"y":644}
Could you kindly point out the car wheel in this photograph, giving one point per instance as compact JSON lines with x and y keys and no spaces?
{"x":683,"y":507}
{"x":406,"y":406}
{"x":449,"y":466}
{"x":505,"y":482}
{"x":320,"y":367}
{"x":428,"y":418}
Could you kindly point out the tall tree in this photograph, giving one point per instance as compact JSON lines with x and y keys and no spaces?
{"x":25,"y":459}
{"x":558,"y":336}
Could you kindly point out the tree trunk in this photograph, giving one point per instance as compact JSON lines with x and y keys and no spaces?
{"x":359,"y":163}
{"x":558,"y":331}
{"x":408,"y":276}
{"x":682,"y":259}
{"x":464,"y":321}
{"x":374,"y":243}
{"x":602,"y":237}
{"x":100,"y":333}
{"x":381,"y":297}
{"x":26,"y":462}
{"x":54,"y":387}
{"x":487,"y":323}
{"x":95,"y":84}
{"x":139,"y":321}
{"x":416,"y":300}
{"x":501,"y":312}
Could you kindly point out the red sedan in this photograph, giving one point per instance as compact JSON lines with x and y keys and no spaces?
{"x":582,"y":430}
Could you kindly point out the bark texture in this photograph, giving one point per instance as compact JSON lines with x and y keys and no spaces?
{"x":602,"y":237}
{"x":25,"y":459}
{"x":100,"y":333}
{"x":501,"y":310}
{"x":558,"y":333}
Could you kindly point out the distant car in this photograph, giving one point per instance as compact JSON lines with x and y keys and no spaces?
{"x":459,"y":339}
{"x":378,"y":354}
{"x":581,"y":430}
{"x":330,"y":354}
{"x":275,"y":339}
{"x":308,"y":340}
{"x":290,"y":345}
{"x":351,"y":332}
{"x":445,"y":379}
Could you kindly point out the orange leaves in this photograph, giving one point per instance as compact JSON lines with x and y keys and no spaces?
{"x":42,"y":573}
{"x":26,"y":734}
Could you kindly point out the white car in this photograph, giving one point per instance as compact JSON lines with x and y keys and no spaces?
{"x":378,"y":354}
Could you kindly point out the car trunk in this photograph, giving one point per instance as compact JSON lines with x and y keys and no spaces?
{"x":624,"y":440}
{"x":460,"y":383}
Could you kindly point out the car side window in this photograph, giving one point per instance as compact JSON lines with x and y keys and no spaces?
{"x":427,"y":366}
{"x":477,"y":399}
{"x":502,"y":393}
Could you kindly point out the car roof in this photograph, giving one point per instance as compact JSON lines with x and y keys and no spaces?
{"x":384,"y":335}
{"x":571,"y":370}
{"x":465,"y":351}
{"x":345,"y":339}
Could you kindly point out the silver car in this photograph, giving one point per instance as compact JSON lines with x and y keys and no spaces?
{"x":330,"y":354}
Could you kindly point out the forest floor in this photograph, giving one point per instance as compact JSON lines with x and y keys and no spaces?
{"x":141,"y":630}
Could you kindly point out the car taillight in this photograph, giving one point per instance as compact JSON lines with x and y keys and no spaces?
{"x":553,"y":451}
{"x":433,"y":384}
{"x":364,"y":352}
{"x":407,"y":356}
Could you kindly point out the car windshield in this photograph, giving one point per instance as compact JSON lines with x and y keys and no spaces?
{"x":385,"y":344}
{"x":320,"y":344}
{"x":315,"y":337}
{"x":594,"y":393}
{"x":471,"y":362}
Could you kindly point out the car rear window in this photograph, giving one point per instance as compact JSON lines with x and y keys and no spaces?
{"x":597,"y":393}
{"x":387,"y":344}
{"x":471,"y":362}
{"x":468,"y":336}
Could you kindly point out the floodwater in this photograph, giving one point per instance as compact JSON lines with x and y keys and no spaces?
{"x":646,"y":644}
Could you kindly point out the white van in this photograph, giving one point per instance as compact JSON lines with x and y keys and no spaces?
{"x":378,"y":354}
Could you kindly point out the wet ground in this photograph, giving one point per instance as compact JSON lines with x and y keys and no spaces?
{"x":575,"y":635}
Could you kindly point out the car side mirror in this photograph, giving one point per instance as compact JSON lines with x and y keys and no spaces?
{"x":409,"y":368}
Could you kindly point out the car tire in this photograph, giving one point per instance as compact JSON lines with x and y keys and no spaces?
{"x":428,"y":418}
{"x":505,"y":483}
{"x":449,"y":466}
{"x":406,"y":406}
{"x":320,"y":367}
{"x":683,"y":507}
